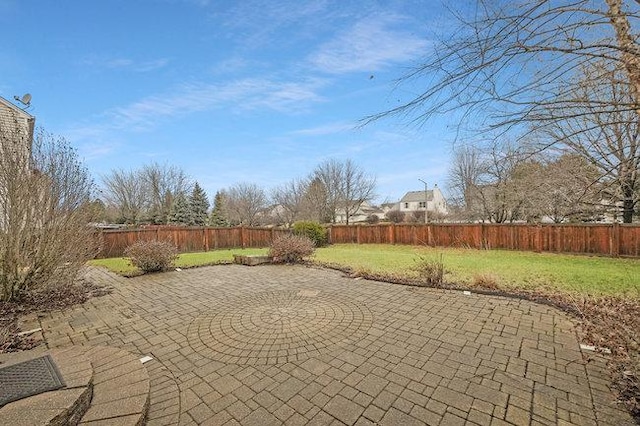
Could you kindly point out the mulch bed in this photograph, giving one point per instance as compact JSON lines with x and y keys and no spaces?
{"x":40,"y":301}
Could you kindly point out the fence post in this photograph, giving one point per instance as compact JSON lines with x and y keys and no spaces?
{"x":614,"y":239}
{"x":358,"y":234}
{"x":539,"y":238}
{"x":392,"y":233}
{"x":242,"y":239}
{"x":205,"y":236}
{"x":483,"y":237}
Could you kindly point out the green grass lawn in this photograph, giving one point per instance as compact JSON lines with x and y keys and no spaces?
{"x":508,"y":269}
{"x":122,"y":266}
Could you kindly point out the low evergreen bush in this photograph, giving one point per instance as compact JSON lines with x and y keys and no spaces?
{"x":312,"y":230}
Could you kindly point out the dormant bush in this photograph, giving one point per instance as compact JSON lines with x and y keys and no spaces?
{"x":291,"y":248}
{"x":152,"y":256}
{"x":45,"y":211}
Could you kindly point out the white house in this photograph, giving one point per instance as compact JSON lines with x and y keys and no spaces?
{"x":414,"y":201}
{"x":16,"y":126}
{"x":16,"y":138}
{"x":361,"y":215}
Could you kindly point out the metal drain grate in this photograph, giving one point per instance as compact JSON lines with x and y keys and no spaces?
{"x":29,"y":378}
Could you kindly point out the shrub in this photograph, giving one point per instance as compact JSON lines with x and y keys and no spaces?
{"x":488,"y":281}
{"x":291,"y":248}
{"x":45,"y":194}
{"x":312,"y":230}
{"x":372,"y":219}
{"x":152,"y":256}
{"x":430,"y":271}
{"x":395,"y":216}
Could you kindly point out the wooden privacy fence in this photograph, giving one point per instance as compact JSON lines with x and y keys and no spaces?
{"x":189,"y":239}
{"x":600,"y":239}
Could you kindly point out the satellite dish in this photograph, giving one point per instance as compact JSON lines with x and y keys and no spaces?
{"x":25,"y":100}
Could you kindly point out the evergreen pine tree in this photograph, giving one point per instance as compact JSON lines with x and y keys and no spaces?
{"x":199,"y":206}
{"x":180,"y":210}
{"x":218,"y":218}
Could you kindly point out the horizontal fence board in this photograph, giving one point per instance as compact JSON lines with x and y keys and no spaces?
{"x":599,"y":239}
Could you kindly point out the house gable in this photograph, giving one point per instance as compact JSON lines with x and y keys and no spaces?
{"x":16,"y":126}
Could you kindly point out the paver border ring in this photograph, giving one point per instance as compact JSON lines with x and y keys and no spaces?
{"x":275,"y":327}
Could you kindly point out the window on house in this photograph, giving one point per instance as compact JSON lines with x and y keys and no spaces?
{"x":421,"y":205}
{"x":406,"y":205}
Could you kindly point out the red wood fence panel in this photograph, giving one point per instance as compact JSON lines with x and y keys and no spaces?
{"x":599,"y":239}
{"x":189,"y":239}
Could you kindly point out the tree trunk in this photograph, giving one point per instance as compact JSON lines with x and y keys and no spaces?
{"x":630,"y":50}
{"x":628,"y":205}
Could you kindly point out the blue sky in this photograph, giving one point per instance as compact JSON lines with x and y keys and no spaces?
{"x":230,"y":91}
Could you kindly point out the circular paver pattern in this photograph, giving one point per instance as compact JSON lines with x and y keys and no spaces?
{"x":275,"y":327}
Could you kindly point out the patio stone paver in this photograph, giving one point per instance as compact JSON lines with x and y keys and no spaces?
{"x":295,"y":345}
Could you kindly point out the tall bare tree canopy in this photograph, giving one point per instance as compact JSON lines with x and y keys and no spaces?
{"x":510,"y":61}
{"x":162,"y":184}
{"x":145,"y":194}
{"x":125,"y":190}
{"x":516,"y":66}
{"x":346,"y":186}
{"x":243,"y":203}
{"x":290,"y":199}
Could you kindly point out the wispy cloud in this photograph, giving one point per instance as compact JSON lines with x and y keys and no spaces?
{"x":325,"y":129}
{"x":145,"y":114}
{"x":247,"y":94}
{"x":257,"y":23}
{"x":232,"y":65}
{"x":126,"y":63}
{"x":93,"y":150}
{"x":370,"y":45}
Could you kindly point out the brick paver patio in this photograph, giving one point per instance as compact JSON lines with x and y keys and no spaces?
{"x":275,"y":345}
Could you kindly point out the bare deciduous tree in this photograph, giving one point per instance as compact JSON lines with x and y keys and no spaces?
{"x":315,"y":202}
{"x":564,"y":189}
{"x":289,"y":200}
{"x":513,"y":66}
{"x":45,"y":210}
{"x":607,"y":137}
{"x":465,"y":171}
{"x":146,"y":194}
{"x":502,"y":185}
{"x":508,"y":60}
{"x":347,"y":186}
{"x":126,"y":191}
{"x":243,"y":203}
{"x":162,"y":184}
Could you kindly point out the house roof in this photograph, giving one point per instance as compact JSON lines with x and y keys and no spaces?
{"x":413,"y":196}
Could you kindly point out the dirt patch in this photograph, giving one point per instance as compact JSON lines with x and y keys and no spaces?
{"x":40,"y":301}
